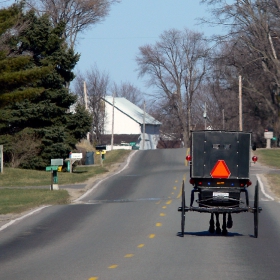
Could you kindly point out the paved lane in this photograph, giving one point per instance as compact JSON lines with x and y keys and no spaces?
{"x":127,"y":229}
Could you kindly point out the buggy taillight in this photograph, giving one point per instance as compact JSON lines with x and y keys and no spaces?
{"x":254,"y":159}
{"x":249,"y":183}
{"x":192,"y":181}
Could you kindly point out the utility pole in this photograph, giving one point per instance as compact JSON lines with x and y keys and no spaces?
{"x":144,"y":126}
{"x":86,"y":102}
{"x":205,"y":116}
{"x":113,"y":119}
{"x":240,"y":104}
{"x":85,"y":95}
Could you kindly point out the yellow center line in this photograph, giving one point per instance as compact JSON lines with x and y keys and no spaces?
{"x":162,"y":214}
{"x":141,"y":245}
{"x":163,"y":207}
{"x":175,"y":188}
{"x":128,"y":255}
{"x":158,"y":224}
{"x":113,"y":266}
{"x":180,"y":194}
{"x":93,"y":278}
{"x":152,"y":236}
{"x":169,"y":202}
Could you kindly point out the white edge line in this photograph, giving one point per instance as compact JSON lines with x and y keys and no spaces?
{"x":22,"y":217}
{"x":262,"y":188}
{"x":97,"y":184}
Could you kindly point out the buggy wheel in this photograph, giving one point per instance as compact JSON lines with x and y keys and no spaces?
{"x":256,"y":210}
{"x":183,"y":204}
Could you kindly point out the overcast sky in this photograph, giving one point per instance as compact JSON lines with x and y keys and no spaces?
{"x":113,"y":44}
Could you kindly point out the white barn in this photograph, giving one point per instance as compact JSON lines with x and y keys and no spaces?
{"x":129,"y":119}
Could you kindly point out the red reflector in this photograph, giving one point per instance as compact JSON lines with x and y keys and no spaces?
{"x":249,"y":183}
{"x":220,"y":170}
{"x":188,"y":157}
{"x":254,"y":158}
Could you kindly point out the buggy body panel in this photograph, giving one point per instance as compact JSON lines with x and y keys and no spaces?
{"x":208,"y":147}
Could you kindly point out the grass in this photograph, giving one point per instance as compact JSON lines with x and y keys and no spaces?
{"x":15,"y":196}
{"x":16,"y":177}
{"x":271,"y":158}
{"x":19,"y":200}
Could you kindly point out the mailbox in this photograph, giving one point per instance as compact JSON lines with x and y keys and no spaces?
{"x":100,"y":147}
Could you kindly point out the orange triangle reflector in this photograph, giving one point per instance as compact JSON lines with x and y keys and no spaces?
{"x":220,"y":170}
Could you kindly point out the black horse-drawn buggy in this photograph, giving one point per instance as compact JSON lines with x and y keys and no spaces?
{"x":219,"y":172}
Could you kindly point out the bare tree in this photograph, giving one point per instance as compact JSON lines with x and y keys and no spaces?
{"x":253,"y":36}
{"x":130,"y":92}
{"x":176,"y":67}
{"x":78,"y":15}
{"x":97,"y":86}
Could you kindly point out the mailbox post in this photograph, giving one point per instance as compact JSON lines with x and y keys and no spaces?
{"x":72,"y":158}
{"x":54,"y":180}
{"x":268,"y":135}
{"x":101,"y":149}
{"x":53,"y":168}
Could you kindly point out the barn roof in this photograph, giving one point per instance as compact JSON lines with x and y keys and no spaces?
{"x":131,"y":110}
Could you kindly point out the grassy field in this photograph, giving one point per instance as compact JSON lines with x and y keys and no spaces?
{"x":15,"y":196}
{"x":271,"y":158}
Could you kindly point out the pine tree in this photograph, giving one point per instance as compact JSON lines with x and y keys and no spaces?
{"x":34,"y":96}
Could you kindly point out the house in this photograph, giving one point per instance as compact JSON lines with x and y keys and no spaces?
{"x":130,"y":122}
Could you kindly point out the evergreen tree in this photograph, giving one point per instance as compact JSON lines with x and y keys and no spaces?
{"x":34,"y":96}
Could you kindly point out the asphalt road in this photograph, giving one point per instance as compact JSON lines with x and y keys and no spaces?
{"x":126,"y":229}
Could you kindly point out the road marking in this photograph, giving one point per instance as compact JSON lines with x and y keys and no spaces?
{"x":169,"y":202}
{"x":158,"y":202}
{"x":113,"y":266}
{"x":175,"y":188}
{"x":163,"y":207}
{"x":262,"y":188}
{"x":180,"y":194}
{"x":158,"y":224}
{"x":128,"y":255}
{"x":152,"y":236}
{"x":176,"y":181}
{"x":162,"y":214}
{"x":141,"y":245}
{"x":93,"y":278}
{"x":23,"y":217}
